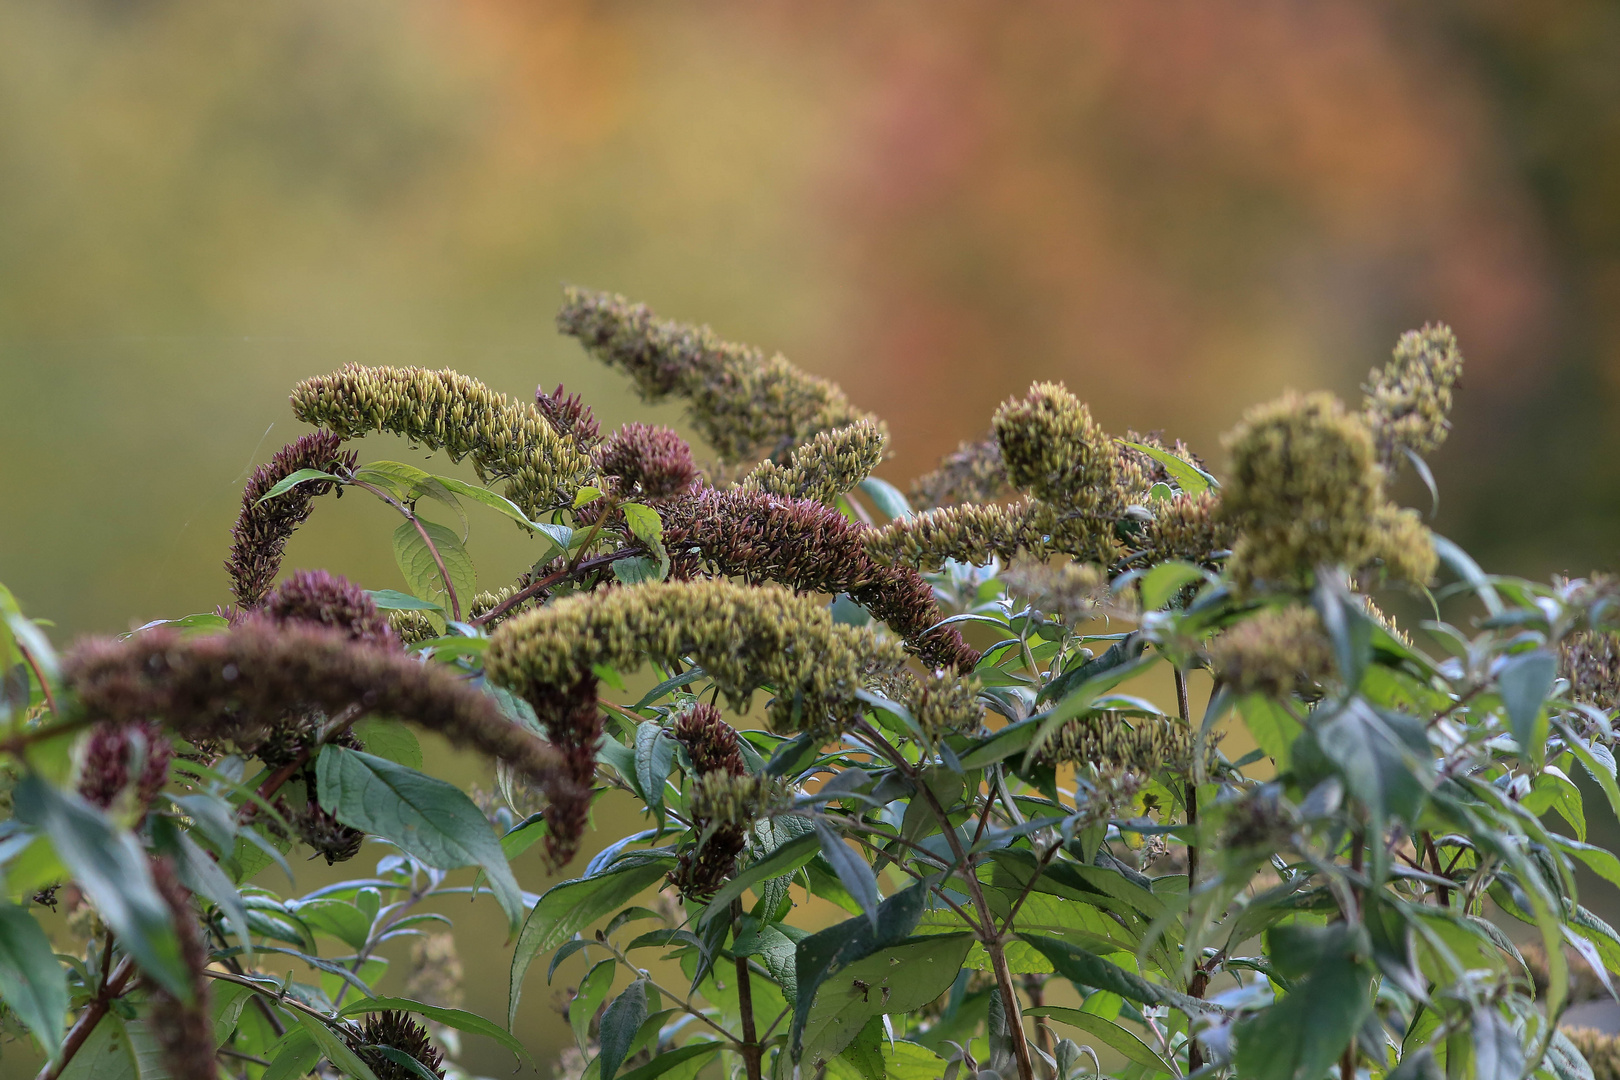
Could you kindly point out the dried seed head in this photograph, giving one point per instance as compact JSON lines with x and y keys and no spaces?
{"x":744,"y":405}
{"x":711,"y":743}
{"x":723,"y":798}
{"x":1307,"y":491}
{"x":436,"y":972}
{"x":1276,"y":651}
{"x":317,"y":598}
{"x":1189,"y":528}
{"x":568,"y":414}
{"x":647,"y":461}
{"x":1408,"y":402}
{"x":506,"y":440}
{"x":398,"y":1031}
{"x":827,"y":466}
{"x":974,"y":473}
{"x":1121,"y":749}
{"x":971,"y":533}
{"x":325,"y":834}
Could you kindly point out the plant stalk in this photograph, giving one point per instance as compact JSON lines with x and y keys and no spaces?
{"x":1199,"y":981}
{"x":752,"y":1052}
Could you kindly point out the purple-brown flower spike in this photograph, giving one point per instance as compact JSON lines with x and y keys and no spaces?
{"x":259,"y":537}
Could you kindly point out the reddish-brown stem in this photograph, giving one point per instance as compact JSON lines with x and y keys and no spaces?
{"x":421,"y":530}
{"x":542,"y":584}
{"x":87,"y":1021}
{"x":44,"y":683}
{"x":1442,"y":892}
{"x":1200,"y":981}
{"x":752,"y":1052}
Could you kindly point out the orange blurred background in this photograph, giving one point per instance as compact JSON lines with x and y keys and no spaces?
{"x":1179,"y":208}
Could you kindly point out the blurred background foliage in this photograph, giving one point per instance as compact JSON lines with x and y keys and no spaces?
{"x":1178,"y":208}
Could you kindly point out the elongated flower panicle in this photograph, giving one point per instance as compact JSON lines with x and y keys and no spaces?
{"x":1118,"y":755}
{"x":647,"y":462}
{"x":1307,"y":491}
{"x":975,"y":473}
{"x":1276,"y":651}
{"x":317,"y":598}
{"x":1189,"y":528}
{"x":742,"y":637}
{"x":506,"y":440}
{"x":970,"y":533}
{"x":1590,"y":660}
{"x":568,"y":415}
{"x":397,"y":1031}
{"x":1071,"y":591}
{"x":255,"y":677}
{"x":715,"y":750}
{"x":259,"y":537}
{"x":1408,"y":402}
{"x":323,"y":832}
{"x":711,"y":743}
{"x":808,"y":547}
{"x":573,"y":722}
{"x":944,"y":703}
{"x":1055,"y":450}
{"x":184,"y":1030}
{"x":825,"y":467}
{"x":725,"y":799}
{"x":124,"y":761}
{"x":744,"y":405}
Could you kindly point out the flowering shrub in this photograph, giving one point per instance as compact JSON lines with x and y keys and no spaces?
{"x":960,"y":839}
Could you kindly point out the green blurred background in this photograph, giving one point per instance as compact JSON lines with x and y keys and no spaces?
{"x":1178,"y":208}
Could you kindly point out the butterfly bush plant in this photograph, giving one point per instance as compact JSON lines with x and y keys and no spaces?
{"x":1080,"y":761}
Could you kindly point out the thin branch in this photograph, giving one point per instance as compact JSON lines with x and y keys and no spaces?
{"x":534,"y":588}
{"x":44,"y":683}
{"x":421,"y":530}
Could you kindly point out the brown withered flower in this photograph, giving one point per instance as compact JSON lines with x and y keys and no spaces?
{"x":317,"y":598}
{"x":116,"y":759}
{"x":647,"y":461}
{"x":397,"y":1031}
{"x":569,"y":414}
{"x":714,"y":747}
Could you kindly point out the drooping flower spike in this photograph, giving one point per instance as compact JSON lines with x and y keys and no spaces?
{"x":260,"y":535}
{"x":744,"y":405}
{"x":506,"y":440}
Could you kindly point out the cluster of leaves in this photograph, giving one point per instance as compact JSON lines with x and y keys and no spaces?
{"x":1018,"y":866}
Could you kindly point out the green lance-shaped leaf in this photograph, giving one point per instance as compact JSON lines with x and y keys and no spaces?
{"x":421,"y":572}
{"x":851,"y":869}
{"x":1108,"y":1033}
{"x":897,"y":979}
{"x":1088,"y":969}
{"x":1383,"y":756}
{"x":1301,"y":1035}
{"x":570,"y":906}
{"x":593,"y":990}
{"x":620,"y":1022}
{"x":886,"y":497}
{"x":784,"y":860}
{"x":1160,"y":584}
{"x":427,"y":817}
{"x":1188,"y":477}
{"x":32,"y":983}
{"x":1524,"y":682}
{"x":655,"y":756}
{"x":668,"y":1060}
{"x":822,"y":953}
{"x":334,"y":1048}
{"x":109,"y":865}
{"x":293,"y":479}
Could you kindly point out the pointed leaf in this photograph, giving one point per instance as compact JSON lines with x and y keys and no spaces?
{"x":620,"y":1023}
{"x":851,"y":869}
{"x":33,"y":983}
{"x":1524,"y":683}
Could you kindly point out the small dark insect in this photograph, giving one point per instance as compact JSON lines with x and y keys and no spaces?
{"x":864,"y":987}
